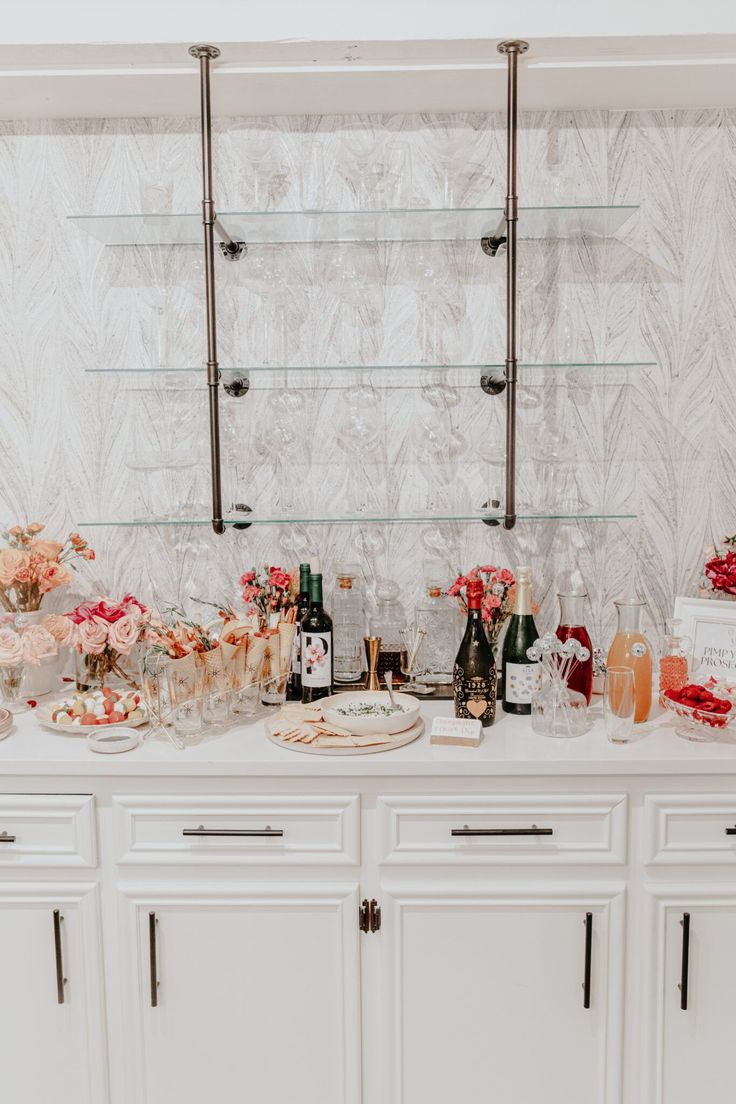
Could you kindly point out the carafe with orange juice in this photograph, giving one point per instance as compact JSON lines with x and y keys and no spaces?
{"x":630,"y":648}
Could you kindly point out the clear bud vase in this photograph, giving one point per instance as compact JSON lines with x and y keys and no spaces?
{"x":558,"y":711}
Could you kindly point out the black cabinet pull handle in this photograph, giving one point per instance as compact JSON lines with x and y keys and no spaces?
{"x":5,"y":838}
{"x":202,"y":831}
{"x":152,"y":958}
{"x":731,"y":831}
{"x":60,"y":979}
{"x":685,"y":969}
{"x":533,"y":831}
{"x":588,"y":958}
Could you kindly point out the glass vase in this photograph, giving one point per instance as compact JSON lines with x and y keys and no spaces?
{"x":109,"y":668}
{"x":559,"y":712}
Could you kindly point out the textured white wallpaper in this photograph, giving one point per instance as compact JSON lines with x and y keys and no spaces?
{"x":77,"y":446}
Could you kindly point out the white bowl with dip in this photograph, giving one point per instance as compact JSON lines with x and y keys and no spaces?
{"x":345,"y":711}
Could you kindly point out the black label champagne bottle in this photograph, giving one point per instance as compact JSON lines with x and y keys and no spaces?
{"x":522,"y":676}
{"x":474,"y":674}
{"x":294,"y":685}
{"x":316,"y":646}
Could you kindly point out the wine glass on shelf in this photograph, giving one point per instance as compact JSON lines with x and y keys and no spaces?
{"x":359,"y":436}
{"x":413,"y":666}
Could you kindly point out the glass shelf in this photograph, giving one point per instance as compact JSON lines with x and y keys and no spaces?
{"x":362,"y":519}
{"x":420,"y":225}
{"x":302,"y":369}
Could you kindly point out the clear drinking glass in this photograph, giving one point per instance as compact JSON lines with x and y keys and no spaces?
{"x":187,"y":718}
{"x":619,"y":704}
{"x":216,"y":707}
{"x":11,"y":688}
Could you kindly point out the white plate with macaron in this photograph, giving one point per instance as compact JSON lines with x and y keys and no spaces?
{"x":93,"y":711}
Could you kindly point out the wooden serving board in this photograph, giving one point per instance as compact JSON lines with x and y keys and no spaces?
{"x":398,"y":740}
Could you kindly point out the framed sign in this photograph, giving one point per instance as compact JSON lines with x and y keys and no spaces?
{"x":711,"y":626}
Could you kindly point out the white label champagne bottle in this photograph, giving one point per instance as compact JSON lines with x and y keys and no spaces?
{"x":522,"y":676}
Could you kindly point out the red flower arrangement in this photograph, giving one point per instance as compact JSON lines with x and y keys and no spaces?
{"x":720,"y":568}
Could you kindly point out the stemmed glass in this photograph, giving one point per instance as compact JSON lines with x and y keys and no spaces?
{"x":413,"y":667}
{"x":359,"y":435}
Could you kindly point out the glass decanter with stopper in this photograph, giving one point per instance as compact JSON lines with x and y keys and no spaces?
{"x":571,"y":627}
{"x":438,"y":617}
{"x":348,"y":625}
{"x":674,"y":664}
{"x":630,"y":648}
{"x":387,"y":622}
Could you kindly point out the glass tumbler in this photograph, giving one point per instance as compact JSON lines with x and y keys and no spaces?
{"x":619,"y":704}
{"x":11,"y":688}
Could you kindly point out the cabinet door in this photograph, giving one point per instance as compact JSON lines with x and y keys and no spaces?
{"x":485,"y":1001}
{"x":256,"y":996}
{"x":693,"y":1056}
{"x":52,"y":1044}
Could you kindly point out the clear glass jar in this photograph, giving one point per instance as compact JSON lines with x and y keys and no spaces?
{"x":348,"y":625}
{"x":559,"y":712}
{"x":439,"y":617}
{"x":387,"y":622}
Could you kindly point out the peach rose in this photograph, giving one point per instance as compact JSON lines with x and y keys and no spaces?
{"x":123,"y":634}
{"x":38,"y":644}
{"x":11,"y":648}
{"x":47,"y":549}
{"x":36,"y":527}
{"x":92,"y":636}
{"x":51,"y":575}
{"x":60,"y":627}
{"x":12,"y":564}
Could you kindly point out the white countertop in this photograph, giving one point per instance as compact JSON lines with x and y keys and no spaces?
{"x":508,"y":748}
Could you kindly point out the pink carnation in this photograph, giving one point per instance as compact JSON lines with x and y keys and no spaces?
{"x":38,"y":644}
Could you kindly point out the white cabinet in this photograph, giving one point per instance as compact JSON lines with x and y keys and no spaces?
{"x":257,"y":993}
{"x":484,"y":999}
{"x":691,"y":1053}
{"x":52,"y":1039}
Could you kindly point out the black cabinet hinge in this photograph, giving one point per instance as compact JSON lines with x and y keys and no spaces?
{"x":369,"y":916}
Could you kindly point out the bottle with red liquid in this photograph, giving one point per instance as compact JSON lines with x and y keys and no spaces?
{"x":674,"y":665}
{"x":571,"y":627}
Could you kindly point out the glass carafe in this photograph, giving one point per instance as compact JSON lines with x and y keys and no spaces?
{"x":571,"y":626}
{"x":348,"y":625}
{"x":387,"y":622}
{"x":630,"y":648}
{"x":438,"y":616}
{"x":674,"y":664}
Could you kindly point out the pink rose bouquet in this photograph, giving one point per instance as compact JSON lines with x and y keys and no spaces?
{"x":104,"y":631}
{"x":269,"y":592}
{"x":30,"y":567}
{"x":499,"y":593}
{"x":11,"y":648}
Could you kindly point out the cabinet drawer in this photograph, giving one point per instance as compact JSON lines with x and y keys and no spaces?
{"x":690,"y":828}
{"x":232,"y":829}
{"x":549,"y":829}
{"x":47,"y":830}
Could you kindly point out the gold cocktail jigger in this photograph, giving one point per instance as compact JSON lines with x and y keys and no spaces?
{"x":372,"y":652}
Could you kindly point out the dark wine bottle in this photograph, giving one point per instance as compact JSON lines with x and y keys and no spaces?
{"x":316,"y":646}
{"x":474,"y":674}
{"x":522,"y":676}
{"x":294,"y":685}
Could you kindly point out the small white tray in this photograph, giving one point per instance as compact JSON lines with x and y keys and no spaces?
{"x":397,"y":741}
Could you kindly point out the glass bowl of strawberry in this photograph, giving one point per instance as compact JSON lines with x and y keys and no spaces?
{"x":702,"y":713}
